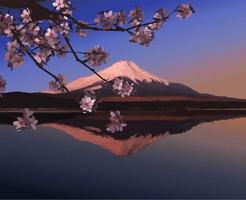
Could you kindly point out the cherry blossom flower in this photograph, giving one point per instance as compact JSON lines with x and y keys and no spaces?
{"x":160,"y":14}
{"x":7,"y":24}
{"x":14,"y":58}
{"x":108,"y":14}
{"x":87,"y":103}
{"x":184,"y":11}
{"x":2,"y":85}
{"x":142,"y":36}
{"x":64,"y":28}
{"x":97,"y":56}
{"x":118,"y":84}
{"x":57,"y":85}
{"x":126,"y":90}
{"x":116,"y":122}
{"x":67,"y":10}
{"x":58,"y":4}
{"x":11,"y":46}
{"x":136,"y":16}
{"x":106,"y":18}
{"x":27,"y":120}
{"x":123,"y":88}
{"x":121,"y":17}
{"x":32,"y":29}
{"x":50,"y":34}
{"x":26,"y":15}
{"x":42,"y":56}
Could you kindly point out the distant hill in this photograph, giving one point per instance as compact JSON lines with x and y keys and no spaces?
{"x":145,"y":83}
{"x":150,"y":92}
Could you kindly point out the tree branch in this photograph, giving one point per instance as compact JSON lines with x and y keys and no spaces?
{"x":38,"y":64}
{"x":83,"y":62}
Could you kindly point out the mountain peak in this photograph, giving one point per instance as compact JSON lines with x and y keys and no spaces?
{"x":131,"y":70}
{"x":125,"y":65}
{"x":123,"y":68}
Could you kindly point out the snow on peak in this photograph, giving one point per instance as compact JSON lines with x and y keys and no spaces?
{"x":124,"y":68}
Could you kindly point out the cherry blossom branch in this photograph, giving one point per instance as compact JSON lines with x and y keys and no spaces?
{"x":38,"y":64}
{"x":83,"y":62}
{"x":56,"y":50}
{"x":117,"y":27}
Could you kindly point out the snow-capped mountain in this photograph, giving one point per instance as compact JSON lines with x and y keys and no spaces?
{"x":145,"y":83}
{"x":126,"y":69}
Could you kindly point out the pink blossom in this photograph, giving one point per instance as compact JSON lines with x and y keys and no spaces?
{"x":142,"y":36}
{"x":42,"y":56}
{"x":96,"y":56}
{"x":123,"y":88}
{"x":27,"y":120}
{"x":50,"y":34}
{"x":121,"y":17}
{"x":57,"y":85}
{"x":126,"y":90}
{"x":160,"y":14}
{"x":106,"y":18}
{"x":116,"y":122}
{"x":14,"y":58}
{"x":26,"y":15}
{"x":58,"y":4}
{"x":87,"y":103}
{"x":108,"y":14}
{"x":184,"y":11}
{"x":136,"y":15}
{"x":7,"y":24}
{"x":118,"y":84}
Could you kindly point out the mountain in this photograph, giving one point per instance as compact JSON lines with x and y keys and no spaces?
{"x":139,"y":133}
{"x":126,"y":69}
{"x":145,"y":83}
{"x":150,"y":93}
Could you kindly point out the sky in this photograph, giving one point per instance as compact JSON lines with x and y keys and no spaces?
{"x":206,"y":51}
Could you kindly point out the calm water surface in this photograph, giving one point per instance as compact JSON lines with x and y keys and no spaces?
{"x":64,"y":161}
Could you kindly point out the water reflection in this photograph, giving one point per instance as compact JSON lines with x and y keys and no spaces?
{"x":208,"y":161}
{"x":137,"y":135}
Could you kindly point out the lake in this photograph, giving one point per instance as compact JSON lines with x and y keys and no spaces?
{"x":198,"y":157}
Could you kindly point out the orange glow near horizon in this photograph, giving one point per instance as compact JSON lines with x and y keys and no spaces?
{"x":223,"y":75}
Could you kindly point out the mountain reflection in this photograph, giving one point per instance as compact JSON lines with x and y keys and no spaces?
{"x":140,"y":132}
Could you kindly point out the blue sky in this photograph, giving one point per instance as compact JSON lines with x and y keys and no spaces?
{"x":200,"y":46}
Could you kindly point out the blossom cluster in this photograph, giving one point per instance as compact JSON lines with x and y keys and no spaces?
{"x":116,"y":122}
{"x":57,"y":84}
{"x":64,"y":6}
{"x":122,"y":88}
{"x":13,"y":55}
{"x":108,"y":19}
{"x":87,"y":103}
{"x":96,"y":56}
{"x":184,"y":11}
{"x":7,"y":24}
{"x":143,"y":36}
{"x":27,"y":120}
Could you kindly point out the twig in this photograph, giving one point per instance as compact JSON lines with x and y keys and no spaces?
{"x":38,"y":64}
{"x":83,"y":62}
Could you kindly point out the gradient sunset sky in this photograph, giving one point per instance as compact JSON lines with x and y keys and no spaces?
{"x":206,"y":51}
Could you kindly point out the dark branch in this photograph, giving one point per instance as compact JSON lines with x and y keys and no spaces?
{"x":38,"y":64}
{"x":83,"y":62}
